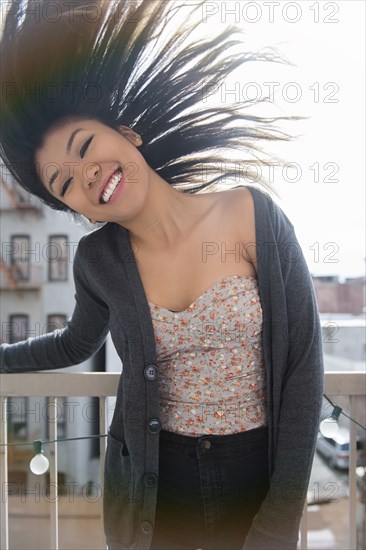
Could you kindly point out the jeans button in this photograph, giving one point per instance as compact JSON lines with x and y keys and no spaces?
{"x":206,"y":444}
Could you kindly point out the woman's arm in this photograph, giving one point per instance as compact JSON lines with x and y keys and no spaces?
{"x":277,"y":523}
{"x":83,"y":335}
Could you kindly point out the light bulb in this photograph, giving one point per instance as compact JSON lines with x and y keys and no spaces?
{"x":39,"y":463}
{"x":329,"y":426}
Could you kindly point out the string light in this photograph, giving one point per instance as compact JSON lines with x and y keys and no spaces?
{"x":329,"y":426}
{"x":39,"y":463}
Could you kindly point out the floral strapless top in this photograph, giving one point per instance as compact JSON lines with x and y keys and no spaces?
{"x":211,"y":369}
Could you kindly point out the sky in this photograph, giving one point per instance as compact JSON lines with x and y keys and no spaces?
{"x":323,"y":192}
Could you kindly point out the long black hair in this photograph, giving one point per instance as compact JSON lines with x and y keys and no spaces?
{"x":101,"y":60}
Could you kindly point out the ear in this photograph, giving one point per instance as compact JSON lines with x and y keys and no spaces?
{"x":130,"y":134}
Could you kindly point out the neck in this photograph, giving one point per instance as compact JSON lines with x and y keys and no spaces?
{"x":166,"y":215}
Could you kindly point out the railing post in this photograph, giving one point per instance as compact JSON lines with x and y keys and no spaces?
{"x":4,"y":514}
{"x":103,"y":427}
{"x":352,"y":476}
{"x":53,"y":473}
{"x":304,"y":527}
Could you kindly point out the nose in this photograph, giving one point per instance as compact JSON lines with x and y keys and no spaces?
{"x":91,"y":174}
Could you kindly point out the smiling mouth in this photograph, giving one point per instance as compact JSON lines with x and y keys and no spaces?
{"x":111,"y":186}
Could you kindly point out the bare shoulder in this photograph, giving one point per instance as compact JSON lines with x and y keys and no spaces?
{"x":240,"y":204}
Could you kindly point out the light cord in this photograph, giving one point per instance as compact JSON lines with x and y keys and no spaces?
{"x":54,"y":440}
{"x":346,"y":415}
{"x":105,"y":435}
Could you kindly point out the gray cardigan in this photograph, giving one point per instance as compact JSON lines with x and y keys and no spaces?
{"x":110,"y":297}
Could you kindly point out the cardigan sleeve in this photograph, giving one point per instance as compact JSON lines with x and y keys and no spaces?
{"x":276,"y":525}
{"x":83,"y":335}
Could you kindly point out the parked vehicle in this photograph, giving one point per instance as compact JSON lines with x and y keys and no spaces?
{"x":336,"y":449}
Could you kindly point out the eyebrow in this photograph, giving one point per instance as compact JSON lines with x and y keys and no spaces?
{"x":68,"y":148}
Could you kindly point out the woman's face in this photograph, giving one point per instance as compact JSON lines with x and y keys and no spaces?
{"x":94,"y":170}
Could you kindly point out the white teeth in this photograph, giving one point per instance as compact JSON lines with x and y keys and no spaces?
{"x":110,"y":188}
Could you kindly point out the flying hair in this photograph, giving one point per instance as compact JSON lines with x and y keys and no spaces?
{"x":102,"y":60}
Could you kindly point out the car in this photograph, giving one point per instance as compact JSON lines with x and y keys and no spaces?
{"x":336,"y":449}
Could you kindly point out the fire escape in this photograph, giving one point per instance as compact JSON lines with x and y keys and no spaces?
{"x":19,"y":199}
{"x":14,"y":198}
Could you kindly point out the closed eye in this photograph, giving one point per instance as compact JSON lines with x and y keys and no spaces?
{"x":82,"y":153}
{"x":85,"y":147}
{"x":65,"y":187}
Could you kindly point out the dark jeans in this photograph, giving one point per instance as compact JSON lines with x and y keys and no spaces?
{"x":210,"y":489}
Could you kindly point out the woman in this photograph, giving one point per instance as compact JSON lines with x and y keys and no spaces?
{"x":207,"y":295}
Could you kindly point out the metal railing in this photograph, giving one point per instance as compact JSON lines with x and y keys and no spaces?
{"x":102,"y":385}
{"x":17,"y":197}
{"x":20,"y":277}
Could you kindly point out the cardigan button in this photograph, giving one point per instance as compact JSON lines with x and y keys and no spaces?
{"x":151,"y":372}
{"x":154,"y":426}
{"x":146,"y":527}
{"x":150,"y":480}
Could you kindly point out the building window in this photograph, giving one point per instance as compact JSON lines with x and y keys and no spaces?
{"x":18,"y":328}
{"x":55,"y":321}
{"x":16,"y":409}
{"x":20,"y":245}
{"x":57,"y":258}
{"x":60,"y":416}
